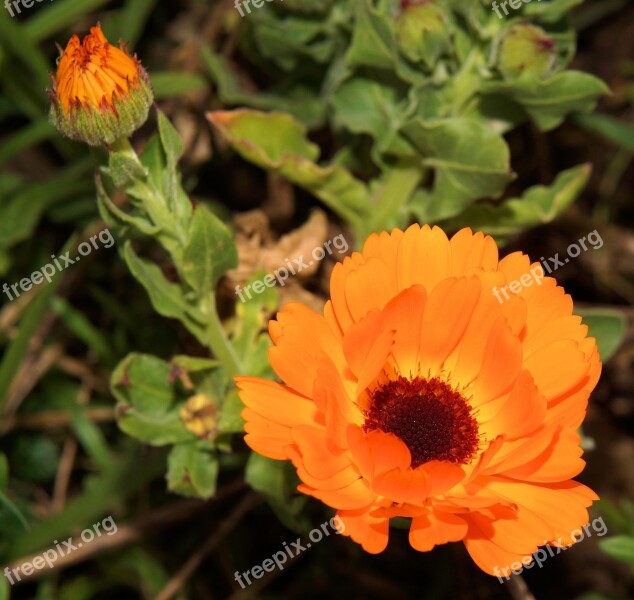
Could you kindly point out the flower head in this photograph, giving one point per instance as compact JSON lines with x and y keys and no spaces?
{"x":418,"y":394}
{"x":100,"y":93}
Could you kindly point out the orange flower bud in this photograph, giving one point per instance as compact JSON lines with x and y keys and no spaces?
{"x":100,"y":92}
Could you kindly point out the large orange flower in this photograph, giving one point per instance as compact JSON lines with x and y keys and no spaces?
{"x":100,"y":93}
{"x":418,"y":394}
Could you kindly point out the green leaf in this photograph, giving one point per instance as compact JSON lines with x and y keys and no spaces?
{"x":289,"y":153}
{"x":192,"y":470}
{"x":148,"y":403}
{"x":168,"y":84}
{"x":209,"y":253}
{"x":5,"y":593}
{"x":619,"y":520}
{"x":607,"y":326}
{"x":469,"y":159}
{"x":170,"y":139}
{"x":276,"y":480}
{"x":81,"y":326}
{"x":114,"y":216}
{"x":4,"y":472}
{"x":30,"y":322}
{"x":373,"y":41}
{"x":367,"y":106}
{"x":251,"y":339}
{"x":296,"y":99}
{"x":548,"y":101}
{"x":4,"y":482}
{"x":124,"y":169}
{"x":167,"y":298}
{"x":20,"y":213}
{"x":291,"y":40}
{"x":91,"y":438}
{"x":619,"y":547}
{"x":194,"y":364}
{"x":539,"y":205}
{"x":230,"y":420}
{"x":614,"y":130}
{"x":550,"y":12}
{"x":171,"y":193}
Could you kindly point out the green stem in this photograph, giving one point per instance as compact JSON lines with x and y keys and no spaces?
{"x":124,"y":146}
{"x":216,"y":338}
{"x":220,"y":344}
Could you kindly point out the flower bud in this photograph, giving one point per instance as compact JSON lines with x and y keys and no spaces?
{"x":422,"y":32}
{"x":100,"y":93}
{"x":526,"y":50}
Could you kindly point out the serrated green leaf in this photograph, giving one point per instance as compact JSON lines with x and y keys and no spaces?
{"x":373,"y":41}
{"x":548,"y":101}
{"x":148,"y":403}
{"x":208,"y":254}
{"x":469,"y":160}
{"x":167,"y":298}
{"x":539,"y":205}
{"x":192,"y":470}
{"x":289,"y":153}
{"x":367,"y":106}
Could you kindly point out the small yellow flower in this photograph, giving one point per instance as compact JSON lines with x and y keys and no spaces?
{"x":100,"y":93}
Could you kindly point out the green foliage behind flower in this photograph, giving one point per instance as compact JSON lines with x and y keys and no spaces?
{"x":418,"y":99}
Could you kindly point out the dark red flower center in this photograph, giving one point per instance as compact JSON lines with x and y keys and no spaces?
{"x":433,"y":420}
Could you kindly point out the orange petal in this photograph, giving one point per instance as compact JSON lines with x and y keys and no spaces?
{"x":371,"y":532}
{"x":434,"y":528}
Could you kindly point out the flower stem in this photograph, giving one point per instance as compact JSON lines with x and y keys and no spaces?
{"x":220,"y":344}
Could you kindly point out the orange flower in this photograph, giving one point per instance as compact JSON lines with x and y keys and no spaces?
{"x":100,"y":93}
{"x":418,"y":394}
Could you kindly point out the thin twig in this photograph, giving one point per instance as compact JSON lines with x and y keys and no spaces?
{"x":64,"y":473}
{"x":194,"y":561}
{"x":518,"y":589}
{"x":129,"y":533}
